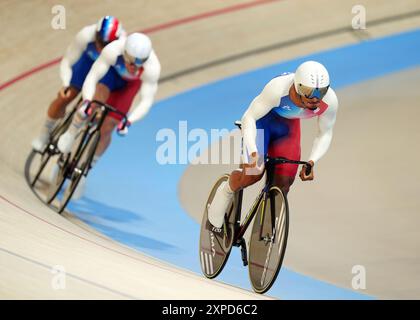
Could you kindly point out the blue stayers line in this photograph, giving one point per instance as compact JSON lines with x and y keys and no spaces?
{"x":133,"y":199}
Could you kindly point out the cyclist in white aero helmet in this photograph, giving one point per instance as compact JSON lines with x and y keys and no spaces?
{"x":311,"y":80}
{"x":125,"y":67}
{"x":273,"y":118}
{"x":137,"y":48}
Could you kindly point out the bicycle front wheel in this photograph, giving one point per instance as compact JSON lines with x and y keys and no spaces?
{"x":268,"y":240}
{"x":80,"y":167}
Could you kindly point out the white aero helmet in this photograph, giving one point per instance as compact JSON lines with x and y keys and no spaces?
{"x":312,"y":80}
{"x":137,"y":49}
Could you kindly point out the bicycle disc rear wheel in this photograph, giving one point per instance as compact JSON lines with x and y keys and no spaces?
{"x":215,"y":247}
{"x":268,"y":240}
{"x":35,"y":166}
{"x":37,"y":162}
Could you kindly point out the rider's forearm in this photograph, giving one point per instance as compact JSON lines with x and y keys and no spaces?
{"x":89,"y":87}
{"x":148,"y":88}
{"x":65,"y":72}
{"x":140,"y":110}
{"x":249,"y":132}
{"x":321,"y":145}
{"x":326,"y":123}
{"x":147,"y":95}
{"x":98,"y":70}
{"x":259,"y":107}
{"x":73,"y":53}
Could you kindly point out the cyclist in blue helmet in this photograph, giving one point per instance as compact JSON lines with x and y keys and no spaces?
{"x":74,"y":67}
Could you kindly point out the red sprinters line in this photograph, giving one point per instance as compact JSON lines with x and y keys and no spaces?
{"x":29,"y":73}
{"x":206,"y":15}
{"x":160,"y":27}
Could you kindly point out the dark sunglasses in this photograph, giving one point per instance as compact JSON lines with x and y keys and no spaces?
{"x":310,"y":92}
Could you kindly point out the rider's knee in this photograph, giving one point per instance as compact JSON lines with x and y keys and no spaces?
{"x":240,"y":178}
{"x":70,"y":95}
{"x":73,"y":92}
{"x":284,"y":183}
{"x":285,"y":188}
{"x":250,"y":179}
{"x":108,"y":126}
{"x":102,"y":92}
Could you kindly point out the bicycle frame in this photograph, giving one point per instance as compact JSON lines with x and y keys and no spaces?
{"x":241,"y":228}
{"x":268,"y":232}
{"x":94,"y":125}
{"x":270,"y":164}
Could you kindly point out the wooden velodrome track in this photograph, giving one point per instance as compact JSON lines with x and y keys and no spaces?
{"x":197,"y":42}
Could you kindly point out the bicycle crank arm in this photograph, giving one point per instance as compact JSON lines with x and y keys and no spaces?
{"x":243,"y":252}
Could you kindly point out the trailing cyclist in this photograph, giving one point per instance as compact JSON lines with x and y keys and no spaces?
{"x":124,"y":68}
{"x":74,"y":67}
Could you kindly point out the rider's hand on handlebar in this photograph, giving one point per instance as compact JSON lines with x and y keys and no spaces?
{"x":84,"y":109}
{"x":303,"y":175}
{"x":65,"y":93}
{"x":122,"y":128}
{"x":254,"y":167}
